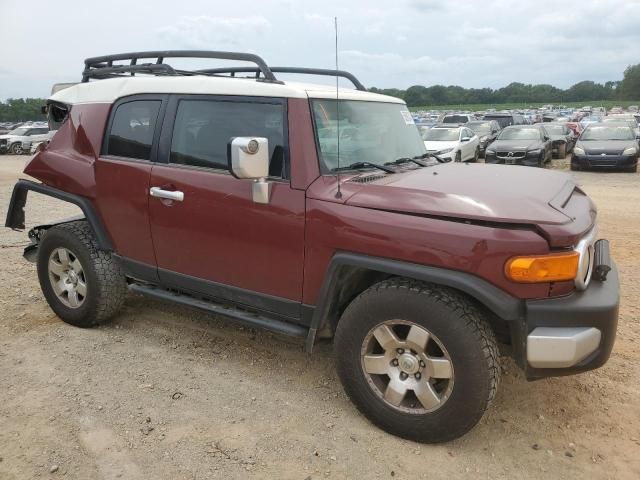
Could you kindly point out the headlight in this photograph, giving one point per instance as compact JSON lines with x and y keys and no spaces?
{"x":490,"y":152}
{"x":446,"y":150}
{"x":630,"y":151}
{"x":553,"y":267}
{"x":484,"y":139}
{"x":534,"y":152}
{"x":578,"y":151}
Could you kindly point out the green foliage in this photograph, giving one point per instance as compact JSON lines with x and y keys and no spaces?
{"x":520,"y":93}
{"x":22,"y":109}
{"x":630,"y":85}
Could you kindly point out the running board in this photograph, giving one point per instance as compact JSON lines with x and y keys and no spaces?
{"x":241,"y":316}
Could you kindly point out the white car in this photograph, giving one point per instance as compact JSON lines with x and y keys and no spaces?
{"x":12,"y":141}
{"x":459,"y":144}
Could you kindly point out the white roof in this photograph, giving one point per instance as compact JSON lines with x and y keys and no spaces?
{"x":109,"y":90}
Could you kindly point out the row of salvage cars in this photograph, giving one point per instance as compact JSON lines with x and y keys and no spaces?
{"x":612,"y":143}
{"x":25,"y":138}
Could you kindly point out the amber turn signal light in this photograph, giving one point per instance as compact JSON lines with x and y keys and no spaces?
{"x":543,"y":268}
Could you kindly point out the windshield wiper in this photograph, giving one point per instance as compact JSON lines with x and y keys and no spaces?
{"x":357,"y":165}
{"x":433,"y":155}
{"x":404,"y":160}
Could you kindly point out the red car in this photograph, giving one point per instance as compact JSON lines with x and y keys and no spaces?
{"x":319,"y":214}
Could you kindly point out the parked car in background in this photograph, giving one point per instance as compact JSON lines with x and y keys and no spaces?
{"x":30,"y":144}
{"x":458,"y":118}
{"x":6,"y":127}
{"x":505,"y":119}
{"x":459,"y":144}
{"x":562,"y":138}
{"x":520,"y":145}
{"x":486,"y":130}
{"x":606,"y":146}
{"x":623,"y":119}
{"x":12,"y":141}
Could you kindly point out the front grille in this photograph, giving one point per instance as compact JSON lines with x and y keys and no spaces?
{"x":367,"y":178}
{"x":517,"y":154}
{"x":603,"y":153}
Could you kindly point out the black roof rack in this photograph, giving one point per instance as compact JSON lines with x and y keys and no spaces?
{"x":103,"y":67}
{"x":305,"y":71}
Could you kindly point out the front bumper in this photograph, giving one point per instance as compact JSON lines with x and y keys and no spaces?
{"x":570,"y":334}
{"x":529,"y":160}
{"x":604,"y":162}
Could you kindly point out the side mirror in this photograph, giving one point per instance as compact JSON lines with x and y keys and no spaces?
{"x":248,"y":158}
{"x":465,"y":139}
{"x":546,"y":138}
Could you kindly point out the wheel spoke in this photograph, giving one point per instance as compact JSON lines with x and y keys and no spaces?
{"x":395,"y":392}
{"x":63,"y":255}
{"x":59,"y":287}
{"x":56,"y":268}
{"x":76,"y":266}
{"x":376,"y":364}
{"x":440,"y":367}
{"x":81,"y":288}
{"x":73,"y":298}
{"x":427,"y":396}
{"x":418,"y":338}
{"x":385,"y":337}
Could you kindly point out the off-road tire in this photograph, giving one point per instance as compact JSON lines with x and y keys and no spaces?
{"x":16,"y":149}
{"x":459,"y":326}
{"x":105,"y":280}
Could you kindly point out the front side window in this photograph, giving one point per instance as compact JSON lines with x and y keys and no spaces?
{"x":203,"y":129}
{"x":132,"y":129}
{"x":372,"y":132}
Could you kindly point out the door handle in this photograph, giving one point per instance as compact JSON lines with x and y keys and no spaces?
{"x":167,"y":194}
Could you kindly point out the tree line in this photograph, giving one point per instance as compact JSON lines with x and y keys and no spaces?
{"x":587,"y":91}
{"x":23,"y":109}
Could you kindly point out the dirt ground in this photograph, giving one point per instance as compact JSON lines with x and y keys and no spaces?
{"x":165,"y":392}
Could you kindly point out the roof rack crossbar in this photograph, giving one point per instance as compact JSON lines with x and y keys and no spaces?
{"x":305,"y":71}
{"x":102,"y":67}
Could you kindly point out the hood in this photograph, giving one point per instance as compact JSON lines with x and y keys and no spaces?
{"x":516,"y":145}
{"x":486,"y":193}
{"x":606,"y":146}
{"x":440,"y":145}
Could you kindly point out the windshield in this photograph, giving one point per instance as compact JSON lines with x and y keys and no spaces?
{"x":373,"y":132}
{"x":19,"y":131}
{"x":607,"y":133}
{"x":519,"y":134}
{"x":441,"y":134}
{"x":481,"y":128}
{"x":455,"y":119}
{"x":556,"y":129}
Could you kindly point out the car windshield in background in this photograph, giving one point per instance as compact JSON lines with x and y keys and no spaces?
{"x":556,"y":129}
{"x":519,"y":134}
{"x":481,"y":128}
{"x":455,"y":119}
{"x":441,"y":134}
{"x":373,"y":131}
{"x":608,"y":133}
{"x":19,"y":131}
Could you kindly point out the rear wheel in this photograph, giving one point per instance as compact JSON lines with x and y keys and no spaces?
{"x":83,"y":285}
{"x":417,"y":359}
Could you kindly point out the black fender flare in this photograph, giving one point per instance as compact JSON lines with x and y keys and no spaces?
{"x":16,"y":218}
{"x":502,"y":304}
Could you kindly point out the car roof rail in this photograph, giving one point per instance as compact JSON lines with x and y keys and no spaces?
{"x":102,"y":67}
{"x":299,"y":70}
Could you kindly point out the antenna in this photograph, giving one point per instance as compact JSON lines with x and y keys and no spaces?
{"x":339,"y":192}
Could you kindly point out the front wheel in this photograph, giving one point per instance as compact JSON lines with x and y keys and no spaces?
{"x":16,"y":149}
{"x":476,"y":156}
{"x":459,"y":157}
{"x":83,"y":285}
{"x":418,"y":360}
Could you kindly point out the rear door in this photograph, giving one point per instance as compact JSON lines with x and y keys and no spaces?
{"x":216,"y":241}
{"x":122,"y":179}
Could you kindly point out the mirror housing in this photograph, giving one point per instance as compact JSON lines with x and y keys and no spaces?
{"x":248,"y":158}
{"x":547,"y":138}
{"x":465,"y":139}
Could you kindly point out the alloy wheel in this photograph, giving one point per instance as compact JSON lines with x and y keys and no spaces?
{"x":67,"y":277}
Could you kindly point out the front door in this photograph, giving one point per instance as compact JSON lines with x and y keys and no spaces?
{"x":213,"y":239}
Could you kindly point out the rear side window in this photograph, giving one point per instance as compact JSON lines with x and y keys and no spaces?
{"x":132,"y":129}
{"x":203,"y":129}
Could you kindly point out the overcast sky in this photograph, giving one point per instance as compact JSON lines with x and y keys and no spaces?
{"x":397,"y":43}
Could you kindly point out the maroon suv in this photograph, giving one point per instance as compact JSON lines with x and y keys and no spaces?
{"x":318,"y":213}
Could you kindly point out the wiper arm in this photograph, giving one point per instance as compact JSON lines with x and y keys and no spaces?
{"x":357,"y":165}
{"x":404,"y":160}
{"x":433,"y":155}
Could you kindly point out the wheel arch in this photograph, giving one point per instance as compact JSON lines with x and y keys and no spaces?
{"x":348,"y":274}
{"x":16,"y":216}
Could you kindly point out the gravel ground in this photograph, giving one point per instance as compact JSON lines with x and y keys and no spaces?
{"x":167,"y":392}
